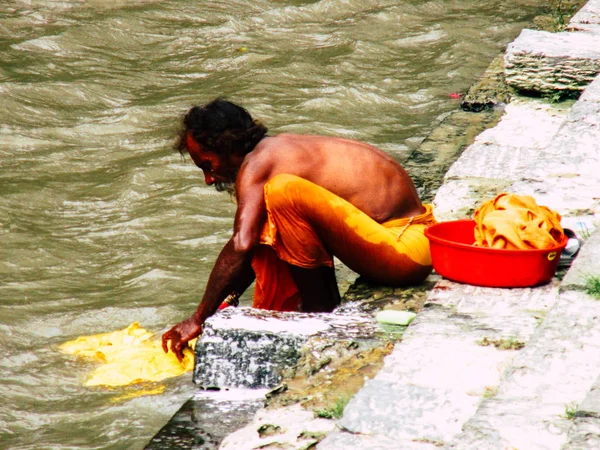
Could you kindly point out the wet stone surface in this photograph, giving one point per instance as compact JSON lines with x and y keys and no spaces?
{"x":490,"y":91}
{"x":445,"y":144}
{"x":202,"y":422}
{"x":245,"y":347}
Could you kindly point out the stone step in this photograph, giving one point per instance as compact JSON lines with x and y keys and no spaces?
{"x":442,"y":388}
{"x":499,"y":157}
{"x":449,"y":359}
{"x":551,"y":375}
{"x":554,"y":373}
{"x":587,"y":18}
{"x":539,"y":61}
{"x":251,"y":348}
{"x":585,"y":432}
{"x":557,"y":165}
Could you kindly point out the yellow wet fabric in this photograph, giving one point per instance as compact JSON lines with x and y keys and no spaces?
{"x":128,"y":356}
{"x":513,"y":221}
{"x":299,"y":213}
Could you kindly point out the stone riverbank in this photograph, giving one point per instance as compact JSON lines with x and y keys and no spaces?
{"x":479,"y":368}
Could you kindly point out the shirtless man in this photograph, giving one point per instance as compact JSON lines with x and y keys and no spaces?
{"x":301,"y":200}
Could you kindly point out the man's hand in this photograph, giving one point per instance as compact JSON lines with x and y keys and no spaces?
{"x":180,"y":335}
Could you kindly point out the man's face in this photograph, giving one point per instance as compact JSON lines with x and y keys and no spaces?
{"x":216,"y":169}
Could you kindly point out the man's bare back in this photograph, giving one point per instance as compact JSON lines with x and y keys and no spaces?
{"x":357,"y":172}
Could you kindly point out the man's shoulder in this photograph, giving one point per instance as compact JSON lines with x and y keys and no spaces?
{"x":259,"y":164}
{"x":280,"y":139}
{"x":282,"y":145}
{"x":276,"y":148}
{"x":283,"y":153}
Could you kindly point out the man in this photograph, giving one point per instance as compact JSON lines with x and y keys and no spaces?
{"x":301,"y":200}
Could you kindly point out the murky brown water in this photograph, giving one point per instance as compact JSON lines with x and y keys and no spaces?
{"x":101,"y":224}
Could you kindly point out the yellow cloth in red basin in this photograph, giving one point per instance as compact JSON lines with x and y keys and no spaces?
{"x":513,"y":221}
{"x":301,"y":215}
{"x":128,"y":356}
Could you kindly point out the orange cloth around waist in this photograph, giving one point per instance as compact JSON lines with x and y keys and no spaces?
{"x":306,"y":225}
{"x":513,"y":221}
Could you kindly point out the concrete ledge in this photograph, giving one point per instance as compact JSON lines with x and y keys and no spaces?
{"x":590,"y":407}
{"x":587,"y":19}
{"x":587,"y":263}
{"x":556,"y":368}
{"x":539,"y":61}
{"x":557,"y":165}
{"x":433,"y":382}
{"x":588,"y":15}
{"x":245,"y":347}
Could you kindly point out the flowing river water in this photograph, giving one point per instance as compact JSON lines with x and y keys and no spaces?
{"x":102,"y":224}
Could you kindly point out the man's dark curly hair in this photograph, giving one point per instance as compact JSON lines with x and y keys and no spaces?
{"x":223,"y":127}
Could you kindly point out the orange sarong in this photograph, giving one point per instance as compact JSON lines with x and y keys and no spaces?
{"x":306,"y":225}
{"x":516,"y":222}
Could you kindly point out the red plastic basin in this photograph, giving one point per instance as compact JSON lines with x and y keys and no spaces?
{"x":455,"y":257}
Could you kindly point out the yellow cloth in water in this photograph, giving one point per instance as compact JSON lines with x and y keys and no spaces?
{"x":128,"y":356}
{"x":516,"y":222}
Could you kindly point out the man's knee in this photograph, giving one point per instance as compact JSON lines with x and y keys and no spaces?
{"x":284,"y":180}
{"x":283,"y":188}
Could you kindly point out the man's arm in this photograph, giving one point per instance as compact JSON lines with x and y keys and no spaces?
{"x":232,"y":272}
{"x":233,"y":269}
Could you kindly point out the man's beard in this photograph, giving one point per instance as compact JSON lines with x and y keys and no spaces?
{"x":228,"y":186}
{"x":225,"y":186}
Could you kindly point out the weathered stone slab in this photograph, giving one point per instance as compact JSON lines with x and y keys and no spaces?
{"x":587,"y":263}
{"x":573,"y":153}
{"x":502,"y":153}
{"x":203,"y":421}
{"x":556,"y":369}
{"x":494,"y":162}
{"x":523,"y":424}
{"x":452,"y":326}
{"x":499,"y":157}
{"x":526,"y":123}
{"x":347,"y":441}
{"x":559,"y":169}
{"x":585,"y":435}
{"x":565,"y":175}
{"x":564,"y":354}
{"x":544,"y":62}
{"x":584,"y":28}
{"x":434,"y":380}
{"x":407,"y":411}
{"x":589,"y":14}
{"x":458,"y":198}
{"x":590,"y":407}
{"x":290,"y":428}
{"x":587,"y":19}
{"x":245,"y":347}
